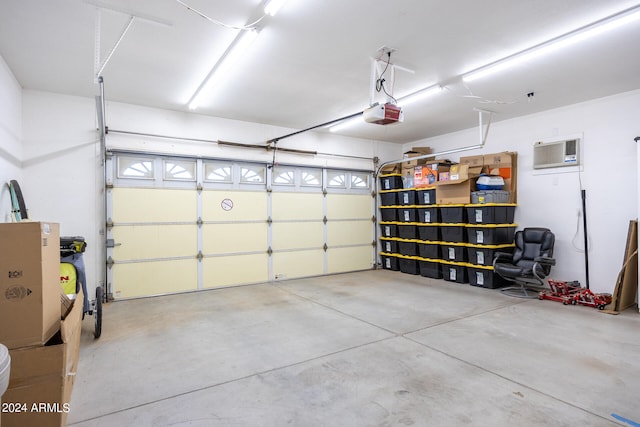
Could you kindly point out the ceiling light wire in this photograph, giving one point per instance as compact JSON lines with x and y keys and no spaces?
{"x":247,"y":27}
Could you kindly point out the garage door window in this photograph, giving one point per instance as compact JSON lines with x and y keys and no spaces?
{"x":135,"y":167}
{"x":252,"y":174}
{"x":218,"y":172}
{"x":179,"y":170}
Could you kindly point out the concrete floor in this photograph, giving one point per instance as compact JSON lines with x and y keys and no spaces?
{"x":375,"y":348}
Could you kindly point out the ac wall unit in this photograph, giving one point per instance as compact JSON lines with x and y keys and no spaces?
{"x":556,"y":154}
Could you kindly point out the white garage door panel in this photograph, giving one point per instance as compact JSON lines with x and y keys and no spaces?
{"x":296,"y":206}
{"x":153,"y":205}
{"x":288,"y":265}
{"x":341,"y":233}
{"x":153,"y":241}
{"x":154,"y":278}
{"x":295,"y":235}
{"x":234,"y":270}
{"x":349,"y":206}
{"x":246,"y":205}
{"x":349,"y":259}
{"x":229,"y":238}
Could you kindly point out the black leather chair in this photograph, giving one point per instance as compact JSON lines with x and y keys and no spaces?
{"x":529,"y":263}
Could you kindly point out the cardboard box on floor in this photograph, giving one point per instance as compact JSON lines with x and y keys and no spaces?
{"x":504,"y":164}
{"x":42,"y":377}
{"x":29,"y":283}
{"x":455,"y":186}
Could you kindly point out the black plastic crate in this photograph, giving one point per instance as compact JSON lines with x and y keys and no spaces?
{"x":407,"y":247}
{"x":388,"y":198}
{"x":484,"y":254}
{"x":453,"y":252}
{"x":406,"y":214}
{"x":391,"y":181}
{"x":388,"y":213}
{"x":430,"y":268}
{"x":490,"y":234}
{"x":453,"y":232}
{"x":389,"y":244}
{"x":426,"y":196}
{"x":430,"y":214}
{"x":490,"y":213}
{"x":453,"y":213}
{"x":428,"y":231}
{"x":390,"y":262}
{"x":428,"y":249}
{"x":485,"y":277}
{"x":409,"y":265}
{"x":388,"y":229}
{"x":407,"y":231}
{"x":407,"y":197}
{"x":454,"y":272}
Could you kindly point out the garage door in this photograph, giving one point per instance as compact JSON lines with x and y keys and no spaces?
{"x":178,"y":225}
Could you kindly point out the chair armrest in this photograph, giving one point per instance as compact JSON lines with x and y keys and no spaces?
{"x":502,"y":256}
{"x":545,"y":260}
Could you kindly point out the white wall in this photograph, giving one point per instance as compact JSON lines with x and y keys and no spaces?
{"x":552,"y":198}
{"x":62,"y":162}
{"x":10,"y":136}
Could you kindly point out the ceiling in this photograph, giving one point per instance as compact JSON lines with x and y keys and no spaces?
{"x":311,"y":63}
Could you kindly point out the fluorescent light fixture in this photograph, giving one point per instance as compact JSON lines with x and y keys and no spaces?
{"x":346,"y":124}
{"x":273,"y":6}
{"x":221,"y":69}
{"x":419,"y":95}
{"x":576,"y":36}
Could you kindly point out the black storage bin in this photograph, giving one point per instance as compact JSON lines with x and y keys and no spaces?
{"x":406,"y":230}
{"x":389,"y":244}
{"x":426,"y":197}
{"x":429,"y":231}
{"x":428,"y":249}
{"x":453,"y":213}
{"x":454,"y":252}
{"x":388,"y":213}
{"x":407,"y":197}
{"x":408,"y":247}
{"x":408,"y":265}
{"x":389,"y":198}
{"x":430,"y":214}
{"x":491,"y":213}
{"x":484,"y":254}
{"x":485,"y":277}
{"x":390,"y":181}
{"x":453,"y":232}
{"x":388,"y":229}
{"x":406,"y":214}
{"x":454,"y":271}
{"x":430,"y":268}
{"x":390,"y":262}
{"x":490,"y":234}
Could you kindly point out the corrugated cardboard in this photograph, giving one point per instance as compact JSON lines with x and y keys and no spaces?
{"x":473,"y":161}
{"x":29,"y":283}
{"x":504,"y":164}
{"x":457,"y":184}
{"x":427,"y":175}
{"x":407,"y":167}
{"x":42,"y":376}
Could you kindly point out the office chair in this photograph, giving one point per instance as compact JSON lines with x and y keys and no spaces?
{"x":529,"y":263}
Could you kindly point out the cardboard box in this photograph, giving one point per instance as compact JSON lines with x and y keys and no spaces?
{"x":427,"y":175}
{"x":473,"y":161}
{"x":42,"y":377}
{"x":29,"y":283}
{"x":504,"y":164}
{"x":409,"y":165}
{"x":456,"y":185}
